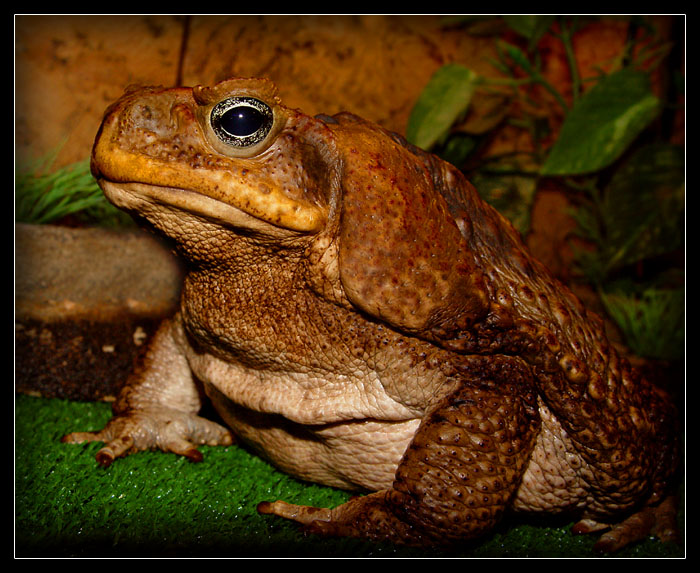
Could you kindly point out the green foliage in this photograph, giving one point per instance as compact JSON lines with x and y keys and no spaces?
{"x":652,"y":320}
{"x":529,"y":26}
{"x":639,"y":214}
{"x":510,"y":189}
{"x":630,"y":197}
{"x":45,"y":196}
{"x":638,"y":218}
{"x":603,"y":124}
{"x":443,"y":102}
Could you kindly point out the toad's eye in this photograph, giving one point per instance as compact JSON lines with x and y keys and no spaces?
{"x":241,"y":121}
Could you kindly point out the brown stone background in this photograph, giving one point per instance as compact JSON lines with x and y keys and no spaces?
{"x":69,"y":68}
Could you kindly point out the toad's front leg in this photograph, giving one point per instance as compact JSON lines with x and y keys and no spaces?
{"x":454,"y":482}
{"x":157,"y":408}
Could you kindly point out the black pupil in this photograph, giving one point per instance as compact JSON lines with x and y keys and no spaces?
{"x":242,"y":121}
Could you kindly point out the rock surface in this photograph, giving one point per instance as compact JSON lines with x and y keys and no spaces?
{"x":85,"y":302}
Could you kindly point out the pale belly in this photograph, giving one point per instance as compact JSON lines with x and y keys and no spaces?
{"x":359,"y":455}
{"x":336,"y":433}
{"x":347,"y":432}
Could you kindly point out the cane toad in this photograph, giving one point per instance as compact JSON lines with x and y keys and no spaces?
{"x":360,"y":317}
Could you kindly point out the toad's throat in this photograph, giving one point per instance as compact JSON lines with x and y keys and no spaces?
{"x":217,"y":191}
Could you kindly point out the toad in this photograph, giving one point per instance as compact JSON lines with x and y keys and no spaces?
{"x":362,"y":319}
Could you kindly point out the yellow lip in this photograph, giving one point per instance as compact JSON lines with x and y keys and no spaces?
{"x":269,"y":204}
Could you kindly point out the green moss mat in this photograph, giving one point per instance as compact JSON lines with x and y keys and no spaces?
{"x":156,"y":504}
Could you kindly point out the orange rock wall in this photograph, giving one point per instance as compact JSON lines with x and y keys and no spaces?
{"x":69,"y":68}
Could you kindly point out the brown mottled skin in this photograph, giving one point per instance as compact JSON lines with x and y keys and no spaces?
{"x":363,"y":319}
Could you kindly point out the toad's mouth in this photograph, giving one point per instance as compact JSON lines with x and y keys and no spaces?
{"x":217,"y":193}
{"x":146,"y":199}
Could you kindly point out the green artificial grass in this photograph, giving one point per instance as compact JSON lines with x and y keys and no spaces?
{"x":154,"y":504}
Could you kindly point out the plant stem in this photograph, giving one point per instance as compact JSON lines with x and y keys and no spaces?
{"x":566,"y":37}
{"x":552,"y":90}
{"x":534,"y":78}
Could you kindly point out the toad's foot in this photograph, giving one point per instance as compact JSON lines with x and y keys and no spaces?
{"x":157,"y":428}
{"x":659,"y":521}
{"x":367,"y":517}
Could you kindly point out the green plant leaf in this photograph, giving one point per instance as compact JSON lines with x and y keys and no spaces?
{"x":457,"y":148}
{"x":644,"y":204}
{"x":639,"y":215}
{"x":510,"y":186}
{"x":602,"y":124}
{"x":517,"y":56}
{"x":529,"y":26}
{"x":652,"y":321}
{"x":442,"y":102}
